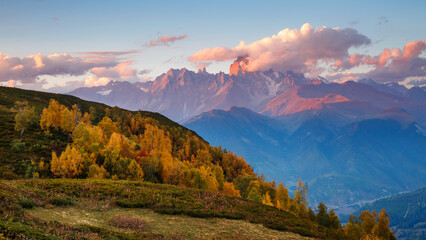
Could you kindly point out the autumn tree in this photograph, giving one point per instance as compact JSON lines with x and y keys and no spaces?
{"x":25,"y":116}
{"x":204,"y":178}
{"x":352,"y":229}
{"x":51,"y":116}
{"x":97,"y":172}
{"x":369,"y":225}
{"x":59,"y":117}
{"x":368,"y":221}
{"x":283,"y":199}
{"x":229,"y":189}
{"x":89,"y":139}
{"x":118,"y":147}
{"x":301,"y":192}
{"x":108,"y":127}
{"x":127,"y":169}
{"x":69,"y":164}
{"x":266,"y":199}
{"x":158,"y":146}
{"x":381,"y":229}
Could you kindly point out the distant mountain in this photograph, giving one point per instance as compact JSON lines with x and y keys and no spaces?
{"x":358,"y":99}
{"x":182,"y":94}
{"x":342,"y":164}
{"x":407,"y":213}
{"x":414,"y":93}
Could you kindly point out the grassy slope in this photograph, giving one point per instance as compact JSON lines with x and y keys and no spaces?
{"x":82,"y":208}
{"x":37,"y":145}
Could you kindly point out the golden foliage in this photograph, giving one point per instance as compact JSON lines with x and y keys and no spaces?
{"x":229,"y":189}
{"x":69,"y":164}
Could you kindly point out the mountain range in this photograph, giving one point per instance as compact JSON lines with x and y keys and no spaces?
{"x":183,"y":94}
{"x":351,"y":141}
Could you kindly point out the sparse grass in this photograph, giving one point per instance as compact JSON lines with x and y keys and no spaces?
{"x":129,"y":222}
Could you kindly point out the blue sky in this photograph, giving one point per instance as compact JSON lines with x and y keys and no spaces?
{"x":47,"y":27}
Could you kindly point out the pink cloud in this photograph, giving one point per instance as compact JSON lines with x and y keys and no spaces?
{"x":28,"y":69}
{"x":391,"y":65}
{"x":120,"y":71}
{"x":165,"y":40}
{"x":93,"y":81}
{"x":107,"y":53}
{"x":291,"y":49}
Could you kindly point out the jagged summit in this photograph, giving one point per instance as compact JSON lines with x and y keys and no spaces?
{"x":239,"y":66}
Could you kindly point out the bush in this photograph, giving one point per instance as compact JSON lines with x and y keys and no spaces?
{"x":26,"y":203}
{"x":61,"y":201}
{"x":134,"y":204}
{"x":129,"y":222}
{"x":17,"y":145}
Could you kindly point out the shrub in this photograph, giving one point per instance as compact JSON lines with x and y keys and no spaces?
{"x":134,"y":204}
{"x":26,"y":203}
{"x":61,"y":201}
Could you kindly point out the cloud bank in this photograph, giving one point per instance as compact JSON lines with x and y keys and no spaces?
{"x":320,"y":51}
{"x":28,"y":71}
{"x":392,"y":65}
{"x":291,"y":49}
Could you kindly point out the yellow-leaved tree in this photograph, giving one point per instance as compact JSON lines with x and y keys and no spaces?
{"x":229,"y":189}
{"x":108,"y":127}
{"x":58,"y":116}
{"x":51,"y":116}
{"x":97,"y":172}
{"x":158,"y":146}
{"x":283,"y":199}
{"x":69,"y":164}
{"x":89,"y":139}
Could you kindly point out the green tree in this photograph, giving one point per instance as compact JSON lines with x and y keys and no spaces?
{"x":322,"y":215}
{"x":25,"y":116}
{"x":333,"y":220}
{"x":254,"y":195}
{"x":242,"y":183}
